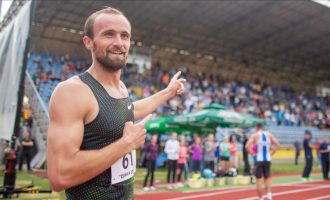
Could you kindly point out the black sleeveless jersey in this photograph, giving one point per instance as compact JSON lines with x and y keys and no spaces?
{"x":105,"y":129}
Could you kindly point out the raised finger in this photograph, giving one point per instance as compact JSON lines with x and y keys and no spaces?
{"x":145,"y":120}
{"x":176,"y":76}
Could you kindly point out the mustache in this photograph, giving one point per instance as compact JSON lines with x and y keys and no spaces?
{"x":116,"y":50}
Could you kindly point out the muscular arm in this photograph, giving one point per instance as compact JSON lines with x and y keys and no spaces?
{"x":147,"y":105}
{"x":67,"y":164}
{"x":275,"y":143}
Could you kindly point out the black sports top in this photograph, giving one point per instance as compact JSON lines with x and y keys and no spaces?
{"x":105,"y":129}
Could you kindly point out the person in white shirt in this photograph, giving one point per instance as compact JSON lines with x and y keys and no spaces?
{"x":172,"y":151}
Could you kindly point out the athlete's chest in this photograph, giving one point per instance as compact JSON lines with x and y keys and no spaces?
{"x":108,"y":125}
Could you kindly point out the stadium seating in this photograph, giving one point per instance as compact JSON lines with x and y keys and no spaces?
{"x":278,"y":106}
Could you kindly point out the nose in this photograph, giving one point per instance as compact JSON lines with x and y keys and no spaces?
{"x":117,"y":41}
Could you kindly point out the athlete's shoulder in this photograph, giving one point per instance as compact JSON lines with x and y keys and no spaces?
{"x":256,"y":134}
{"x":269,"y":133}
{"x":71,"y":86}
{"x":255,"y":137}
{"x":71,"y":92}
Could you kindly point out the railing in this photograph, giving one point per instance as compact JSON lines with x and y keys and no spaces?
{"x":289,"y":134}
{"x":41,"y":120}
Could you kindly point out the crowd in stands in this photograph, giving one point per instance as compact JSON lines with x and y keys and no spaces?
{"x":278,"y":105}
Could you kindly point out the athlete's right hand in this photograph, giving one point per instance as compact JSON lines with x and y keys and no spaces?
{"x":135,"y":134}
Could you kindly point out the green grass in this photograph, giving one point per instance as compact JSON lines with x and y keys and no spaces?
{"x":291,"y":179}
{"x":24,"y":179}
{"x":280,"y":168}
{"x":287,"y":168}
{"x":30,"y":178}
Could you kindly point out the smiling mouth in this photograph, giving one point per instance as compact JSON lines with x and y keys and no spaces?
{"x":116,"y":52}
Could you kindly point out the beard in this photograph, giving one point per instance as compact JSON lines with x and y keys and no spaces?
{"x":109,"y":64}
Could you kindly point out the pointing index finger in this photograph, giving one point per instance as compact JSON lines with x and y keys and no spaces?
{"x":176,"y":76}
{"x":145,"y":120}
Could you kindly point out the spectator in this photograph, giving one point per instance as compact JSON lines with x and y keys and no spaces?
{"x":190,"y":142}
{"x":296,"y":145}
{"x":172,"y":151}
{"x":225,"y":155}
{"x":182,"y":161}
{"x":318,"y":154}
{"x":247,"y":167}
{"x":209,"y":152}
{"x":325,"y":155}
{"x":308,"y":146}
{"x":26,"y":145}
{"x":151,"y":152}
{"x":196,"y":149}
{"x":233,"y":151}
{"x":217,"y":158}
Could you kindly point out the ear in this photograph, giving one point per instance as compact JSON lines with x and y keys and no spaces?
{"x":88,"y":43}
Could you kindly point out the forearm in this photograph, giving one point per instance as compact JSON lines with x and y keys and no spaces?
{"x":85,"y":165}
{"x":273,"y":151}
{"x":27,"y":143}
{"x":148,"y":105}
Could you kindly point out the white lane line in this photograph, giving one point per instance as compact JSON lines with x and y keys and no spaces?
{"x":221,"y":188}
{"x":304,"y":185}
{"x":210,"y":194}
{"x":292,"y":191}
{"x":319,"y":198}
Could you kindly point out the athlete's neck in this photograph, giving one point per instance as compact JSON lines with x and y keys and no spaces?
{"x":105,"y":77}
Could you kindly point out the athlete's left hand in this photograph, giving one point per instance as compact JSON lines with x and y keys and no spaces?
{"x":176,"y":85}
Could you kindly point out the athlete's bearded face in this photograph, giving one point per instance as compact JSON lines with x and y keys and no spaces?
{"x":112,"y":59}
{"x":111,"y":41}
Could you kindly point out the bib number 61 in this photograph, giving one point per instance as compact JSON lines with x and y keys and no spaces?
{"x":124,"y":168}
{"x":128,"y":157}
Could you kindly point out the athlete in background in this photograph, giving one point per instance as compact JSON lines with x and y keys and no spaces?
{"x":266,"y":146}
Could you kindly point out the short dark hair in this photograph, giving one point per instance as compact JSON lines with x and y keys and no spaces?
{"x":89,"y":24}
{"x":259,"y":125}
{"x":308,"y":132}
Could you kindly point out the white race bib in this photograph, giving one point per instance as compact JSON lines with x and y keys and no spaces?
{"x":124,"y":168}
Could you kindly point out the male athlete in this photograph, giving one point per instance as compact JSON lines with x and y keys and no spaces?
{"x":266,"y":144}
{"x":91,"y":136}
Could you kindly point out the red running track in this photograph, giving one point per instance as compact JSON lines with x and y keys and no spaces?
{"x":314,"y":190}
